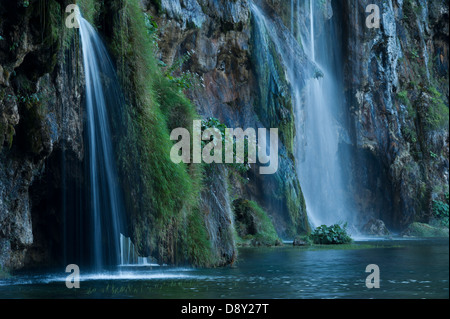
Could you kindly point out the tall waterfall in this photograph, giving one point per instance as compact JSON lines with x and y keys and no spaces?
{"x":105,"y":198}
{"x":318,"y":106}
{"x":321,"y":172}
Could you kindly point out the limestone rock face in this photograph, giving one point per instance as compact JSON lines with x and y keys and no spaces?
{"x":236,"y":88}
{"x":40,"y":111}
{"x":397,"y":88}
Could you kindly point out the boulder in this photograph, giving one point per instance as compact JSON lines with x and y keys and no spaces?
{"x":299,"y":242}
{"x":375,"y":227}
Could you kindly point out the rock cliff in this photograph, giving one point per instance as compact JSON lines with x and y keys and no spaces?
{"x":396,"y":88}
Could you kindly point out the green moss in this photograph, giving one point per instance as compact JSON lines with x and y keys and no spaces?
{"x":52,"y":24}
{"x":425,"y":230}
{"x":437,"y":115}
{"x":89,"y":9}
{"x":297,"y":209}
{"x":198,"y":245}
{"x":287,"y":134}
{"x":253,"y":225}
{"x":163,"y":197}
{"x":403,"y":97}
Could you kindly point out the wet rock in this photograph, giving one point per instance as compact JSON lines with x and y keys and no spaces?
{"x":375,"y":227}
{"x":237,"y":88}
{"x":40,"y":110}
{"x":189,"y":14}
{"x":425,"y":230}
{"x":393,"y":142}
{"x":299,"y":242}
{"x":215,"y":204}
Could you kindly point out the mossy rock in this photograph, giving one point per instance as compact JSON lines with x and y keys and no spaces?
{"x":424,"y":230}
{"x":253,"y":225}
{"x":375,"y":227}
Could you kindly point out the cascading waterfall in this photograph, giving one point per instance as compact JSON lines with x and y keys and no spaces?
{"x":129,"y":256}
{"x":321,"y":171}
{"x":108,"y":245}
{"x":317,"y":105}
{"x":105,"y":203}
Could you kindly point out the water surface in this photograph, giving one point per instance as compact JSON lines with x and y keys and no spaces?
{"x":409,"y":269}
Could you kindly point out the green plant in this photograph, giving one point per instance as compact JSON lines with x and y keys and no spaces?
{"x":403,"y":97}
{"x":438,"y":113}
{"x":433,"y":109}
{"x":152,"y":28}
{"x":185,"y":80}
{"x":414,"y":53}
{"x":441,"y":211}
{"x":215,"y":123}
{"x":410,"y":134}
{"x":199,"y":248}
{"x":331,"y":235}
{"x":163,"y":198}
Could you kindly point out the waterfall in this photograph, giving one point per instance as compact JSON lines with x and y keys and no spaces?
{"x":321,"y":171}
{"x":105,"y":198}
{"x":318,"y":105}
{"x":129,"y":255}
{"x":107,"y":244}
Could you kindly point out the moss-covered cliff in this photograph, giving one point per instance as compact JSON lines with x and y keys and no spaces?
{"x":241,"y":85}
{"x":183,"y":60}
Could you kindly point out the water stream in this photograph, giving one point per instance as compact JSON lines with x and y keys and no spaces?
{"x":321,"y":172}
{"x":105,"y":196}
{"x":317,"y":106}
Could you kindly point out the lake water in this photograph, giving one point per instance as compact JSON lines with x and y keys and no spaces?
{"x":408,"y":269}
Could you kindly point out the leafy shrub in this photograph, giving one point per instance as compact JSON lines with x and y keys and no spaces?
{"x":331,"y":235}
{"x":441,"y":211}
{"x":215,"y":123}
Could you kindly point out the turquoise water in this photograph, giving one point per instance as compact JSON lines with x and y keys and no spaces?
{"x":408,"y":269}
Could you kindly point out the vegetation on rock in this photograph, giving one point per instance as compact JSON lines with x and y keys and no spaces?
{"x":441,"y":211}
{"x":425,"y":231}
{"x":331,"y":235}
{"x":253,"y":225}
